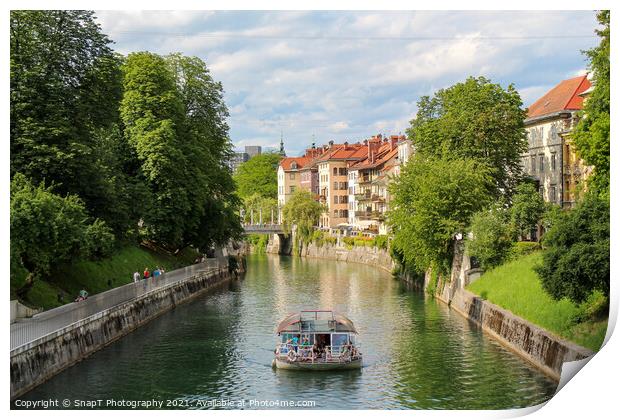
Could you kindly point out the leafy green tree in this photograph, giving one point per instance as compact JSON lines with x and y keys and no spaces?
{"x":527,"y":209}
{"x":591,"y":136}
{"x":576,"y":257}
{"x":475,"y":119}
{"x":65,"y":91}
{"x":206,"y":145}
{"x":490,"y":240}
{"x":259,"y":176}
{"x":48,"y":229}
{"x":152,"y":113}
{"x":174,"y":118}
{"x":433,"y":201}
{"x":302,"y":211}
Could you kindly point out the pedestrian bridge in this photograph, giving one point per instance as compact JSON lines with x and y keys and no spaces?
{"x":264,"y":229}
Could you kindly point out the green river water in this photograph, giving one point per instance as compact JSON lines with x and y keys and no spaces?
{"x":217,"y":350}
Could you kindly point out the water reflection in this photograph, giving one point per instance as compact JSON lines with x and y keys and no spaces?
{"x":417,"y":353}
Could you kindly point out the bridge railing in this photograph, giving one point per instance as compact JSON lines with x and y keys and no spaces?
{"x":275,"y":228}
{"x":46,"y":323}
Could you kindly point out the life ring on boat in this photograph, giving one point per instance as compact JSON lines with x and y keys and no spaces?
{"x":292,"y":356}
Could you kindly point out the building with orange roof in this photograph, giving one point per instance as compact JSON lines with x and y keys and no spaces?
{"x":289,"y":177}
{"x":550,"y":158}
{"x":332,"y":166}
{"x":368,"y":183}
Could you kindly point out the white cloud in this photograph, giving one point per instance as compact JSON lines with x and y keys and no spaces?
{"x":348,"y":75}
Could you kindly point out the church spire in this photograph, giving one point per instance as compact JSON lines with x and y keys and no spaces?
{"x":282,"y":152}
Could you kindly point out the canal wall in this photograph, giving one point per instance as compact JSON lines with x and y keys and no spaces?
{"x":539,"y":347}
{"x":37,"y":361}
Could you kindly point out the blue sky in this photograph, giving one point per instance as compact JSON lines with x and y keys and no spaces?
{"x":348,"y":75}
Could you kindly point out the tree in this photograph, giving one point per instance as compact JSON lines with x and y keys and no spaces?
{"x":259,"y":175}
{"x":490,"y":240}
{"x":65,"y":91}
{"x":527,"y":209}
{"x":576,"y":257}
{"x":212,"y":219}
{"x":592,"y":134}
{"x":47,"y":229}
{"x":475,"y":119}
{"x":174,"y":118}
{"x":152,"y":114}
{"x":433,"y":200}
{"x":302,"y":211}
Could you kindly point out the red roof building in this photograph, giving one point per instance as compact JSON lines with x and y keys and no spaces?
{"x":563,"y":97}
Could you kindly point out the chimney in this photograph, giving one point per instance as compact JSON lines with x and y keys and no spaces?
{"x":331,"y":144}
{"x":394,"y":141}
{"x":346,"y":144}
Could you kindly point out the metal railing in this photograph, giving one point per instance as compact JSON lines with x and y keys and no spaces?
{"x":27,"y":330}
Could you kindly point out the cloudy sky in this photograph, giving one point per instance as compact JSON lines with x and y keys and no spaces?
{"x":348,"y":75}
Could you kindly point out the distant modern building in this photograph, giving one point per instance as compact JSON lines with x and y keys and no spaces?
{"x":241,"y":157}
{"x":551,"y":159}
{"x":237,"y":159}
{"x":253,"y":151}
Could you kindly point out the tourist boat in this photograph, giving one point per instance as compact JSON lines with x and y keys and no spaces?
{"x":317,"y":340}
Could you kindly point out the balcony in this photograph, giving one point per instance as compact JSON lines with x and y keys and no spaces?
{"x":365,"y":196}
{"x":370,"y":215}
{"x":377,"y":198}
{"x":364,"y":180}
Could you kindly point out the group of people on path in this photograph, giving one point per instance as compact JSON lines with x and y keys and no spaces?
{"x":147,"y":274}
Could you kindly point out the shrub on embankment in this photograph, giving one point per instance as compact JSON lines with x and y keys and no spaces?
{"x":96,"y":276}
{"x":516,"y":287}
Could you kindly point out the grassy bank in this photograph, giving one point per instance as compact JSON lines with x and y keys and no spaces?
{"x":516,"y":287}
{"x":98,"y":276}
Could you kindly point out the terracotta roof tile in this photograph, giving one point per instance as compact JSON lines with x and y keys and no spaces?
{"x":564,"y":96}
{"x":286,"y":163}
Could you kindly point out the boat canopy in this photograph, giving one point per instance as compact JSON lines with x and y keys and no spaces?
{"x":316,"y":321}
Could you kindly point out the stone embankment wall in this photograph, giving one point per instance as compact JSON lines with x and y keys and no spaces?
{"x":357,"y":254}
{"x":539,"y":347}
{"x":536,"y":345}
{"x":36,"y":362}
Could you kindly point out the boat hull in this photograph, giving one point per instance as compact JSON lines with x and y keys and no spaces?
{"x":288,"y":365}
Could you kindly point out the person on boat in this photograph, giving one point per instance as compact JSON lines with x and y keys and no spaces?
{"x":285,"y":349}
{"x":295,"y":343}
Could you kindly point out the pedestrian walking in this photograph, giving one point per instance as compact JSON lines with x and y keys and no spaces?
{"x":147,"y":274}
{"x":136,"y":277}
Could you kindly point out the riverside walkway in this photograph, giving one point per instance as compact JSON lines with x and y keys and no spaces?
{"x":26,"y":330}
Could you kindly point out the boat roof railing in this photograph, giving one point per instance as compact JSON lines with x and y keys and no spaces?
{"x":341,"y":322}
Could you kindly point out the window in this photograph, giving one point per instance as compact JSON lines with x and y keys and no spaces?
{"x":541,"y":190}
{"x":292,"y":189}
{"x":335,"y":171}
{"x":335,"y":199}
{"x":335,"y":185}
{"x":336,"y":213}
{"x":292,"y":175}
{"x":552,"y":194}
{"x":541,"y":165}
{"x":343,"y":171}
{"x":553,"y":162}
{"x":533,"y":164}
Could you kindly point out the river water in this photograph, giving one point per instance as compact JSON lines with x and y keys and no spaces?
{"x":218,"y":348}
